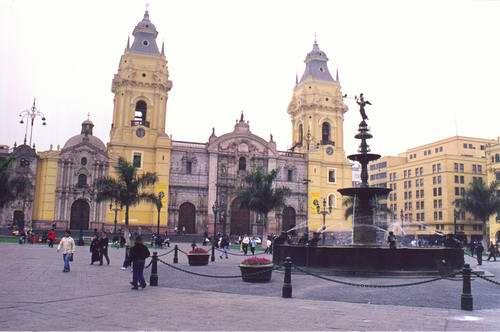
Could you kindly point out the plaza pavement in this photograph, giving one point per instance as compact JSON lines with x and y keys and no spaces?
{"x":36,"y":295}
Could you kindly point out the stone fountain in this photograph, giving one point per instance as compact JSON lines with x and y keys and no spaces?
{"x":365,"y":255}
{"x":364,"y":196}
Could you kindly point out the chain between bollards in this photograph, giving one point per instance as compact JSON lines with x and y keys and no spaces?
{"x":153,"y":279}
{"x":287,"y":282}
{"x":176,"y":254}
{"x":466,"y":299}
{"x":212,"y":257}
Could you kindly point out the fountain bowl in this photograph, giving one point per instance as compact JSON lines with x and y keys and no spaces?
{"x":361,"y":259}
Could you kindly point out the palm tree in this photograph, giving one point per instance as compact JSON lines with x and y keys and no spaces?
{"x":260,"y":196}
{"x":348,"y":204}
{"x":482,"y":201}
{"x":127,"y":188}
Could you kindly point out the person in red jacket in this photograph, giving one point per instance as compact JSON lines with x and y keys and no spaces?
{"x":51,"y":237}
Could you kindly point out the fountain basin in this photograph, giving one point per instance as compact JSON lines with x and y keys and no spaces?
{"x":371,"y":259}
{"x":362,"y":192}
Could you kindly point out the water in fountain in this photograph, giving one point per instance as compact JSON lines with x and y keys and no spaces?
{"x":299,"y":226}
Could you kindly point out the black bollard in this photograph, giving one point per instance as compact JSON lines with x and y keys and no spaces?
{"x":287,"y":283}
{"x":466,"y":300}
{"x":212,"y":258}
{"x":176,"y":254}
{"x":153,"y":279}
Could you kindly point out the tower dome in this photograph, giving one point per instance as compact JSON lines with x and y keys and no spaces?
{"x":145,"y":34}
{"x":316,"y":65}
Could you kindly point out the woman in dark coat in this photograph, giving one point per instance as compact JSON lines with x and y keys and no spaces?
{"x":137,"y":255}
{"x":95,"y":246}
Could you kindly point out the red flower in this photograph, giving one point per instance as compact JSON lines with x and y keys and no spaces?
{"x":198,"y":251}
{"x":256,"y":261}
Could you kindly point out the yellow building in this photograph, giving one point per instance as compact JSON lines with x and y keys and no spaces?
{"x":426,"y":180}
{"x":493,"y":174}
{"x":317,"y":113}
{"x":141,"y":88}
{"x":45,"y":189}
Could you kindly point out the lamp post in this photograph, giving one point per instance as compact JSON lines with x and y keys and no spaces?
{"x":455,"y":215}
{"x":29,"y":116}
{"x":115,"y":207}
{"x":161,"y":194}
{"x":215,"y":210}
{"x":324,"y":212}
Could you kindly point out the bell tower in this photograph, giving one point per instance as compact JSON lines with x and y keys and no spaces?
{"x":141,"y":88}
{"x":317,"y":113}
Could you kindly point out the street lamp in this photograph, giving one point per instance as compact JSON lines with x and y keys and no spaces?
{"x":324,"y":212}
{"x":455,"y":216}
{"x":402,"y":219}
{"x":161,"y":194}
{"x":215,"y":210}
{"x":115,"y":207}
{"x":29,"y":117}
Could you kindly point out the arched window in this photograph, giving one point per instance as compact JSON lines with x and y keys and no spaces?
{"x":301,"y":134}
{"x":141,"y":109}
{"x":325,"y":133}
{"x":242,"y":164}
{"x":82,"y":180}
{"x":331,"y":200}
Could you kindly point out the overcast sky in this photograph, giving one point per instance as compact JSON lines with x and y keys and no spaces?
{"x":430,"y":68}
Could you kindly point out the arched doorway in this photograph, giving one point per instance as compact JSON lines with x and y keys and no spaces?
{"x":240,"y":219}
{"x":187,"y":218}
{"x":79,"y":218}
{"x":288,"y":219}
{"x":19,"y":219}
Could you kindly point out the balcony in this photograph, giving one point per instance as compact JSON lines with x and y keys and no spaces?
{"x":139,"y":122}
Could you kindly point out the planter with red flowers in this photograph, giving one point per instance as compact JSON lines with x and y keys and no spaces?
{"x":198,"y":257}
{"x":256,"y":269}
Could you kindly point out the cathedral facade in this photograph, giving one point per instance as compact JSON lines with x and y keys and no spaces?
{"x":199,"y":179}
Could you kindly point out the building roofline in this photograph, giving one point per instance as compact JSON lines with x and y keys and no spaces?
{"x":451,"y":139}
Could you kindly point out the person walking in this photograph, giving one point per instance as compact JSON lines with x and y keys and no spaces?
{"x":126,"y":261}
{"x":51,"y":238}
{"x":95,"y":249}
{"x":472,"y":248}
{"x":104,"y":242}
{"x":224,"y":244}
{"x":253,"y":245}
{"x":67,"y":244}
{"x":244,"y":244}
{"x":391,"y":239}
{"x":492,"y":250}
{"x":269,"y":246}
{"x":479,"y":253}
{"x":137,"y":255}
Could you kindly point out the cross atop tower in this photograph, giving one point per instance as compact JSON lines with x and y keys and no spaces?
{"x":88,"y":116}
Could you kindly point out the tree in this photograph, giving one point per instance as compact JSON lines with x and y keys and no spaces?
{"x":10,"y":187}
{"x":259,"y":195}
{"x":481,"y":201}
{"x":127,"y":188}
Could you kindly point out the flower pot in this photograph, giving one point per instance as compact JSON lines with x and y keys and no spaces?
{"x":198,"y":259}
{"x":250,"y":273}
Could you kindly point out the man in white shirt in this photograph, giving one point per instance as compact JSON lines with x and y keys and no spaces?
{"x":67,"y":245}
